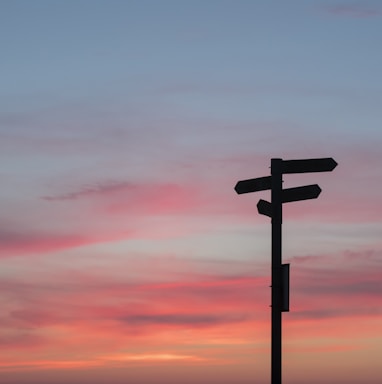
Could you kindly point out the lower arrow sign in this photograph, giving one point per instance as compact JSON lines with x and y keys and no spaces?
{"x":300,"y":193}
{"x":264,"y":208}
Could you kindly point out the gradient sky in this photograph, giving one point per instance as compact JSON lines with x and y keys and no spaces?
{"x":126,"y":256}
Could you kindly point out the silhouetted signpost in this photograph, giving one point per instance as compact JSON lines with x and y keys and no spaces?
{"x":280,"y":272}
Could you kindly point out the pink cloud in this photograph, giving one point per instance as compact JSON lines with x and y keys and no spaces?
{"x":137,"y":198}
{"x":161,"y":199}
{"x":103,"y":315}
{"x":117,"y":210}
{"x":336,"y":286}
{"x":197,"y":301}
{"x":100,"y":213}
{"x":24,"y":241}
{"x":19,"y":243}
{"x":99,"y":313}
{"x":22,"y":340}
{"x":345,"y":196}
{"x":130,"y":304}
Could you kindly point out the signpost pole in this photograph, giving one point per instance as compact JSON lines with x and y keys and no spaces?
{"x":276,"y":195}
{"x":280,"y":272}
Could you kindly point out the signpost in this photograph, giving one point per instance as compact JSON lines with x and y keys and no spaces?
{"x":280,"y":272}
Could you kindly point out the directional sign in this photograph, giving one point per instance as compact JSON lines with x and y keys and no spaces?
{"x":326,"y":164}
{"x":253,"y":185}
{"x":301,"y":193}
{"x":264,"y":208}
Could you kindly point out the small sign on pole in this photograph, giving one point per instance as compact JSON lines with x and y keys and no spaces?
{"x":285,"y":287}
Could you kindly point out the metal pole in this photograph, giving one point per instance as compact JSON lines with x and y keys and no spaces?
{"x":276,"y":194}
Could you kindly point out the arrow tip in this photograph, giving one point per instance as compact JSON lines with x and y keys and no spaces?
{"x":237,"y":188}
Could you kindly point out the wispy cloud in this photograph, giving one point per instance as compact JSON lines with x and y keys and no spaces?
{"x":99,"y":189}
{"x":144,"y":197}
{"x":100,"y":213}
{"x":358,"y":10}
{"x":97,"y":361}
{"x":195,"y":320}
{"x":32,"y":241}
{"x":335,"y":286}
{"x":158,"y":357}
{"x":22,"y":242}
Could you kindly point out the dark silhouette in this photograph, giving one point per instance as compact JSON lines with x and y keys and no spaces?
{"x":280,"y":272}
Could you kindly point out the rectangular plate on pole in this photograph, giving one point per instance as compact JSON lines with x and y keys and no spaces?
{"x":300,"y":193}
{"x":325,"y":164}
{"x":285,"y":287}
{"x":253,"y":185}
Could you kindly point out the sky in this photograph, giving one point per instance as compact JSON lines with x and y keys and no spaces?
{"x":125,"y":254}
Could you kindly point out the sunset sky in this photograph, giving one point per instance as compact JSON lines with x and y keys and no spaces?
{"x":126,"y":257}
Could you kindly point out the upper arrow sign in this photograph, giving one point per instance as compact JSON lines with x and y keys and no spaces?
{"x":326,"y":164}
{"x":300,"y":193}
{"x":253,"y":185}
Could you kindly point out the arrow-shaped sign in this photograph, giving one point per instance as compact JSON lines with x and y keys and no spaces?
{"x":288,"y":195}
{"x":325,"y":164}
{"x":264,"y":208}
{"x":300,"y":193}
{"x":253,"y":185}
